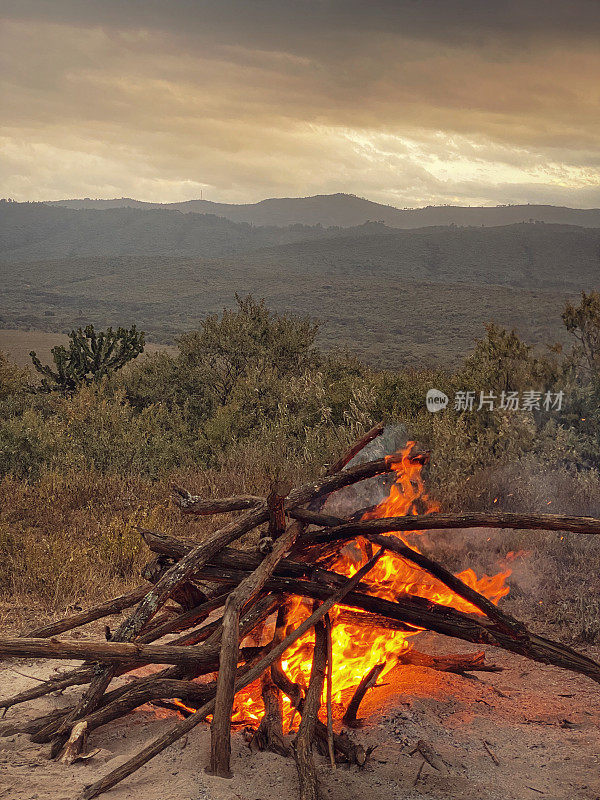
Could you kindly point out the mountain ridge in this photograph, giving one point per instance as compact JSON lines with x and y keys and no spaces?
{"x":347,"y":210}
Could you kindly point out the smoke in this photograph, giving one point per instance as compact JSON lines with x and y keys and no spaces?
{"x":349,"y":500}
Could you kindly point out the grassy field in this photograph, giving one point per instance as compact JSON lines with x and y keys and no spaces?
{"x":388,"y":323}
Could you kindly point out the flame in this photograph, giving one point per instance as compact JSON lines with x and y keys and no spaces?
{"x":183,"y":706}
{"x":357,"y":648}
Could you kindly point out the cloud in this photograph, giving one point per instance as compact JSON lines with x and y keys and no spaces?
{"x":407,"y":102}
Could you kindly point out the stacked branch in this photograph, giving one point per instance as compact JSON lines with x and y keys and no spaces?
{"x":291,"y":560}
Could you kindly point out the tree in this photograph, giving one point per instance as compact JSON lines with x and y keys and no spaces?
{"x":90,"y":356}
{"x":503,"y":362}
{"x":249,"y":338}
{"x":583,"y":322}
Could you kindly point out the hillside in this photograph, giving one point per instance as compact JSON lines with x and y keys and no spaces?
{"x":32,"y":231}
{"x":525,"y":255}
{"x":395,"y":298}
{"x":346,"y":210}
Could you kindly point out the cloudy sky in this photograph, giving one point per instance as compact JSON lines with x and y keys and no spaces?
{"x":407,"y":102}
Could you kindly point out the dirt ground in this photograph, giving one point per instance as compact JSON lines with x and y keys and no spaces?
{"x":531,"y":731}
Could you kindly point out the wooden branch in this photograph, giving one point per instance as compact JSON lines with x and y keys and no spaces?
{"x":109,"y":652}
{"x":368,"y":682}
{"x":269,"y":734}
{"x":75,"y":677}
{"x":186,"y":725}
{"x":455,"y":662}
{"x":305,"y":763}
{"x":187,"y":595}
{"x":461,"y":662}
{"x":275,"y":504}
{"x":76,"y":743}
{"x":185,"y":620}
{"x":344,"y":746}
{"x":193,"y":504}
{"x":83,"y":617}
{"x":329,"y":678}
{"x":339,"y":465}
{"x":82,"y":675}
{"x":474,"y":519}
{"x":220,"y":729}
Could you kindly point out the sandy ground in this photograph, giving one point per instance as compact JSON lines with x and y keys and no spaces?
{"x":541,"y":724}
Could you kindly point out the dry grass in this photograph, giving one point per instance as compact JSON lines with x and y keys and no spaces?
{"x":71,"y":539}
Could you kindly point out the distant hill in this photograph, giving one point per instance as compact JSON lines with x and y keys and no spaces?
{"x":527,"y":255}
{"x":33,"y":231}
{"x":347,"y":210}
{"x":533,"y":255}
{"x":394,"y":297}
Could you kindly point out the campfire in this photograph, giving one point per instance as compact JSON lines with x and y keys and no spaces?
{"x":312,"y":618}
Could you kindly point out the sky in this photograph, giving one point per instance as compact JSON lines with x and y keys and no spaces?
{"x":405,"y":102}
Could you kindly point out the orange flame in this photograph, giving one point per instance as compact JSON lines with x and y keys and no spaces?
{"x":357,"y":648}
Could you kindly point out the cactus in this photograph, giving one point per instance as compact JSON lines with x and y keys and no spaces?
{"x":89,"y":356}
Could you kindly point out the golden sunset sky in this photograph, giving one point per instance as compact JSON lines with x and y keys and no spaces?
{"x":406,"y":102}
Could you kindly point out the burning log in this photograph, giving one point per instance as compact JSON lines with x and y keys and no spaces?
{"x":243,"y":594}
{"x":269,"y":735}
{"x":456,"y":662}
{"x":152,"y":689}
{"x":329,"y":679}
{"x":368,"y":682}
{"x":343,"y":745}
{"x":305,"y":763}
{"x":416,"y":614}
{"x":510,"y":625}
{"x":186,"y":725}
{"x":275,"y":504}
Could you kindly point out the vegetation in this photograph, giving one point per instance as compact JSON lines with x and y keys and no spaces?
{"x":90,"y":357}
{"x":249,"y":396}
